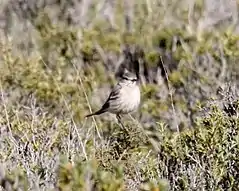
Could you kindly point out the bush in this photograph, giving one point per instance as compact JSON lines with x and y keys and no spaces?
{"x":58,"y":62}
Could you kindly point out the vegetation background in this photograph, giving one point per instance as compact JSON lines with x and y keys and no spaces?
{"x":58,"y":60}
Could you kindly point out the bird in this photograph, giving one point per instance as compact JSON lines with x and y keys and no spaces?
{"x":124,"y":97}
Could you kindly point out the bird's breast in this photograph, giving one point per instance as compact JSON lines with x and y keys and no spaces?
{"x":130,"y":99}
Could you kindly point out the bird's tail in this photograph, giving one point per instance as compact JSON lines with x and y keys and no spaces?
{"x":96,"y":113}
{"x":89,"y":115}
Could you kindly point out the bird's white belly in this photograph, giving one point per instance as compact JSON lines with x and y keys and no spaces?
{"x":130,"y":99}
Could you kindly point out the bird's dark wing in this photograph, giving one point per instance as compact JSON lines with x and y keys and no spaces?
{"x":115,"y":93}
{"x":113,"y":96}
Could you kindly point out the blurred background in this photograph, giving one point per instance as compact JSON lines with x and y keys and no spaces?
{"x":58,"y":62}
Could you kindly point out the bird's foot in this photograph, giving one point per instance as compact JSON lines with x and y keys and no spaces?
{"x":121,"y":124}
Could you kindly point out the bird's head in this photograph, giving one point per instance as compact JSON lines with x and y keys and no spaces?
{"x":129,"y":77}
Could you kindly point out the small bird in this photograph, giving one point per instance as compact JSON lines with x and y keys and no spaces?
{"x":124,"y":97}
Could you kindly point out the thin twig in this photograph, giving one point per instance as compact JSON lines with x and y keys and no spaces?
{"x":88,"y":103}
{"x":67,"y":107}
{"x":170,"y":93}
